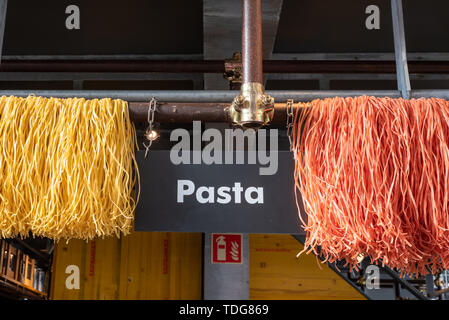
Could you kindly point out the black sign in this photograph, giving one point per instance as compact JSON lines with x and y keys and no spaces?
{"x":216,"y":198}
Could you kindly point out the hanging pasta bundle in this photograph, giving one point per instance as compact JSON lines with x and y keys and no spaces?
{"x":374,"y":177}
{"x":67,"y":167}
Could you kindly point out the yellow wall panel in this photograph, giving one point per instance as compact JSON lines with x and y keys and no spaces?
{"x":276,"y":273}
{"x":161,"y":265}
{"x":143,"y":265}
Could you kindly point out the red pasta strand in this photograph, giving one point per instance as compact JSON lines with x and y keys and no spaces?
{"x":374,"y":177}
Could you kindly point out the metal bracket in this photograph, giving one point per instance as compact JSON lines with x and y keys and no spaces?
{"x":252,"y":108}
{"x":233,"y":70}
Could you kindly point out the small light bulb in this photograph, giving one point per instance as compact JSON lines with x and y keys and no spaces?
{"x":152,"y":135}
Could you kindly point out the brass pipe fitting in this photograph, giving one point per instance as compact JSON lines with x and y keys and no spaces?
{"x":252,"y":108}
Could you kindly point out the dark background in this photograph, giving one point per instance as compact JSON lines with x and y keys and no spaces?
{"x":176,"y":27}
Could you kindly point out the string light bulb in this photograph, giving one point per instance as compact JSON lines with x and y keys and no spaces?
{"x":151,"y":135}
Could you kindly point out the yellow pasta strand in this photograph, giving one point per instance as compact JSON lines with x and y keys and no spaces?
{"x":67,"y":167}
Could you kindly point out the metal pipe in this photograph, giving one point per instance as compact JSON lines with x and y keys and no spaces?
{"x":166,"y":66}
{"x":217,"y":66}
{"x":412,"y":289}
{"x":443,"y":94}
{"x":360,"y":56}
{"x":172,"y":112}
{"x":199,"y":96}
{"x":252,"y":41}
{"x":400,"y":49}
{"x":182,"y":56}
{"x":252,"y":108}
{"x":208,"y":106}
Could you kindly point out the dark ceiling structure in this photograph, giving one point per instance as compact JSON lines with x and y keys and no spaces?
{"x":326,"y":31}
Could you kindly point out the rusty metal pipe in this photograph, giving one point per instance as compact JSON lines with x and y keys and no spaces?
{"x":133,"y":66}
{"x":252,"y":108}
{"x":252,"y":41}
{"x":182,"y":112}
{"x":169,"y":112}
{"x":219,"y":66}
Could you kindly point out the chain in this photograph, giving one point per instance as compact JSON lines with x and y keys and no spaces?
{"x":290,"y":119}
{"x":149,"y":132}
